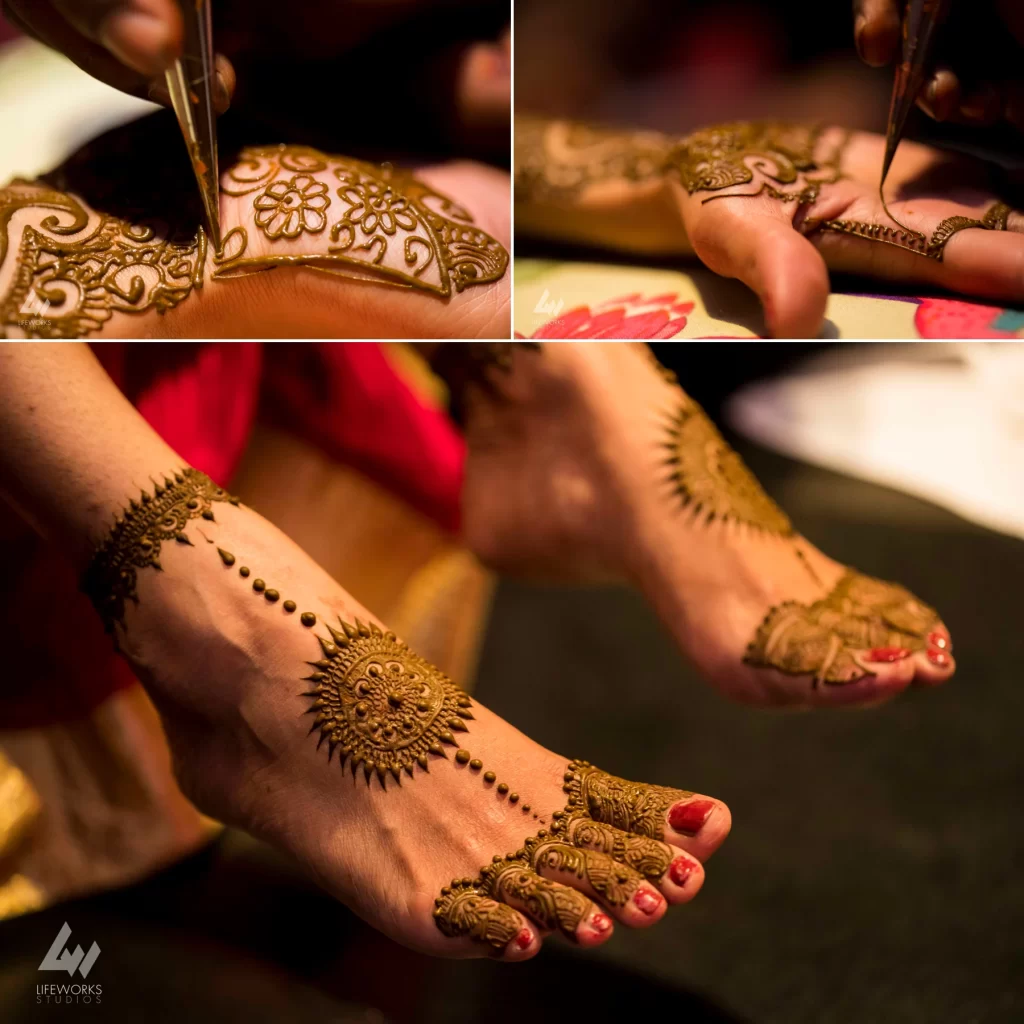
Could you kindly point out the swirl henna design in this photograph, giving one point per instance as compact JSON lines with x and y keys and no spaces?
{"x":647,"y":857}
{"x":388,"y":227}
{"x":821,"y":639}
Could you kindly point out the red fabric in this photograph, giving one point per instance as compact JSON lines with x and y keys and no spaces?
{"x":203,"y":399}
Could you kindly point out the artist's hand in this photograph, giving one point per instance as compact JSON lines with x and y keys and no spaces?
{"x":980,"y":77}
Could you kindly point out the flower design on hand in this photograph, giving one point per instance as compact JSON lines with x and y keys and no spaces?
{"x":376,"y":206}
{"x":287,"y":208}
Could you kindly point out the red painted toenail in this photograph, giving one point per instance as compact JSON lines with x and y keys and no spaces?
{"x":888,"y":654}
{"x":524,"y":938}
{"x":647,"y":900}
{"x":600,"y":923}
{"x":680,"y":871}
{"x":940,"y":658}
{"x":690,"y":817}
{"x":939,"y":640}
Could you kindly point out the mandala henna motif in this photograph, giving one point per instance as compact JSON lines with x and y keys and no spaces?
{"x":821,"y":639}
{"x":711,"y":479}
{"x":134,"y":543}
{"x":389,"y":227}
{"x":382,"y":706}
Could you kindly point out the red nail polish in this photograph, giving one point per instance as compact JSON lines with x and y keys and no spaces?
{"x":600,"y":923}
{"x":690,"y":817}
{"x":939,"y":640}
{"x":888,"y":654}
{"x":524,"y":938}
{"x":647,"y":900}
{"x":680,"y":870}
{"x":940,"y":658}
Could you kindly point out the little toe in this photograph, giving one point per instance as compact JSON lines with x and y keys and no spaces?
{"x":552,"y":906}
{"x":628,"y":897}
{"x":934,"y":665}
{"x":484,"y":926}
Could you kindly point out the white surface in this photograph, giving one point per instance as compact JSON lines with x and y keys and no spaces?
{"x":949,"y":430}
{"x":49,"y":108}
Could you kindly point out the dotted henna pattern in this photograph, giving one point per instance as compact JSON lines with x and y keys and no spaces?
{"x":821,"y":639}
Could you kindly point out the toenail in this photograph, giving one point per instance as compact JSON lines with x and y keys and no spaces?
{"x":524,"y":938}
{"x":938,"y":640}
{"x":690,"y":817}
{"x":680,"y":871}
{"x":940,"y":658}
{"x":647,"y":900}
{"x":888,"y":653}
{"x":600,"y":923}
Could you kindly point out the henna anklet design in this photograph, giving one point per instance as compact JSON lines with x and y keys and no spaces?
{"x":134,"y":543}
{"x":820,"y":639}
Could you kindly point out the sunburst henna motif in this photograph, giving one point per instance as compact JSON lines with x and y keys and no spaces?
{"x":821,"y":639}
{"x":711,"y":479}
{"x":110,"y":580}
{"x":383,"y":707}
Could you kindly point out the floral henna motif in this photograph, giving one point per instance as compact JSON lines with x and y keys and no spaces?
{"x":67,"y":284}
{"x":110,"y":581}
{"x":821,"y":639}
{"x":391,"y":228}
{"x":287,"y":208}
{"x":461,"y":910}
{"x":711,"y":479}
{"x":645,"y":856}
{"x":550,"y":904}
{"x":382,"y":706}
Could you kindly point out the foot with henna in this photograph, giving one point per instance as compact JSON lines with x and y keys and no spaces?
{"x":589,"y":461}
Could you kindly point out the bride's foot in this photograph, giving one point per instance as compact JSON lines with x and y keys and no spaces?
{"x":590,"y":460}
{"x":433,"y":819}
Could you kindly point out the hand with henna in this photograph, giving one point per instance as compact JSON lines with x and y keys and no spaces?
{"x":314,"y":245}
{"x":777,"y":206}
{"x":294,"y":714}
{"x":979,"y":78}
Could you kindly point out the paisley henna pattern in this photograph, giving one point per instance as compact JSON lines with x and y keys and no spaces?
{"x":110,"y":580}
{"x":461,"y":910}
{"x":711,"y":479}
{"x":69,"y":280}
{"x":605,"y":837}
{"x":821,"y":639}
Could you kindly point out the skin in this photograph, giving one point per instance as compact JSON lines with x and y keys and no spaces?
{"x":223,"y":666}
{"x":566,"y":477}
{"x":963,"y":89}
{"x":773,"y":246}
{"x":290,"y":301}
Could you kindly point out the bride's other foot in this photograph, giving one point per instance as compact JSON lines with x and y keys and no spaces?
{"x":590,"y":461}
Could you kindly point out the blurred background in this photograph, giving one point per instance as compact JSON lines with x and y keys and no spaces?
{"x":874,"y":874}
{"x":677,"y":65}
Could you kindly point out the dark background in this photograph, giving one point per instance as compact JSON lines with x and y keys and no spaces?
{"x":875,"y":874}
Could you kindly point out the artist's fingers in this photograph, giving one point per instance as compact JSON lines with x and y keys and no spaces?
{"x":876,"y":29}
{"x":753,"y":239}
{"x":145,"y":35}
